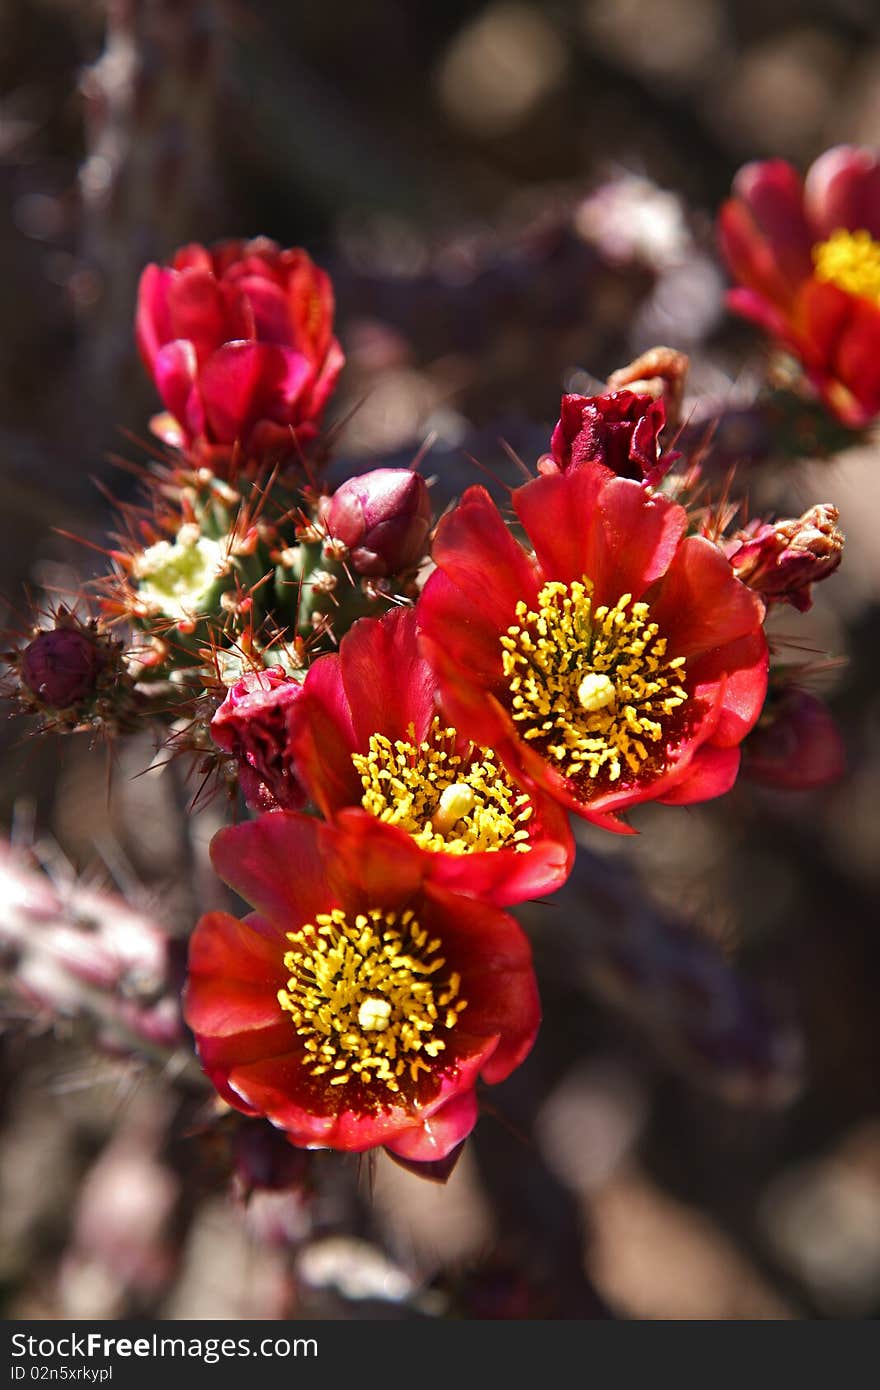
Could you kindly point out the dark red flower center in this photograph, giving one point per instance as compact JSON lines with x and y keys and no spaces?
{"x":371,"y":999}
{"x":593,"y":688}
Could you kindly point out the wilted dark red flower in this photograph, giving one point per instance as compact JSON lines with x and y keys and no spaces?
{"x":784,"y":560}
{"x":360,"y":1002}
{"x":370,"y":734}
{"x":620,"y":662}
{"x":255,"y":724}
{"x":796,"y":744}
{"x":807,"y":257}
{"x":382,"y":518}
{"x":60,"y":667}
{"x":619,"y":429}
{"x":239,"y":341}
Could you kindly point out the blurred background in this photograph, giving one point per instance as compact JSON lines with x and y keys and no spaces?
{"x":513,"y":200}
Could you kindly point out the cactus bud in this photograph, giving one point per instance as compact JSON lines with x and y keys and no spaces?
{"x":383,"y":518}
{"x":784,"y":560}
{"x":60,"y":667}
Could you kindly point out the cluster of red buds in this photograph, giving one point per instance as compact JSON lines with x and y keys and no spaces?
{"x":413,"y":709}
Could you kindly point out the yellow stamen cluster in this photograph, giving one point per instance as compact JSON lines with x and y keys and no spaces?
{"x":446,"y":801}
{"x":592,"y":688}
{"x":850,"y":260}
{"x":365,"y":999}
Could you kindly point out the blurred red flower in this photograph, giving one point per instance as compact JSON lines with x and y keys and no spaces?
{"x":621,"y":662}
{"x":360,"y":1002}
{"x":796,"y":745}
{"x":239,"y":341}
{"x":369,"y":733}
{"x":255,"y":724}
{"x":807,"y":257}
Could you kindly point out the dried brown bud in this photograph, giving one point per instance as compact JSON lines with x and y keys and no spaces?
{"x":661,"y":373}
{"x":784,"y":560}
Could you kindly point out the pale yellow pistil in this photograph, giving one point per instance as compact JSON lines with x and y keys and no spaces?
{"x":593,"y":688}
{"x":366,"y":999}
{"x":596,"y":692}
{"x":851,"y":261}
{"x":445,"y":800}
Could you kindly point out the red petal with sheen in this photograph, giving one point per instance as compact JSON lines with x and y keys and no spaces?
{"x":276,"y":864}
{"x":700,"y":605}
{"x":842,"y":190}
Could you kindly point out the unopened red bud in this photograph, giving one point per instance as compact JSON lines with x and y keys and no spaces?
{"x":784,"y":560}
{"x":61,"y":666}
{"x":254,"y":724}
{"x":383,"y":517}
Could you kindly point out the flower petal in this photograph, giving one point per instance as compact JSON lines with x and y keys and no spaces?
{"x":712,"y":773}
{"x":174,"y":371}
{"x":772,"y":190}
{"x":743,"y":665}
{"x":438,"y":1136}
{"x":558,"y":511}
{"x":492,"y":953}
{"x":153,"y":320}
{"x":276,"y":864}
{"x":391,"y":688}
{"x":275,"y":1088}
{"x":587,"y":522}
{"x":243,"y":382}
{"x":323,"y":738}
{"x":198,"y":312}
{"x":700,"y":604}
{"x":269,"y":305}
{"x":374,"y":862}
{"x":234,"y":976}
{"x":479,"y":555}
{"x":842,"y":190}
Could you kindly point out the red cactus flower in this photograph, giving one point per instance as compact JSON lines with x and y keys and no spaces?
{"x":621,"y":662}
{"x":255,"y":725}
{"x":369,"y":734}
{"x":382,"y":518}
{"x":360,"y":1002}
{"x":807,"y":257}
{"x":239,"y":341}
{"x":620,"y":429}
{"x":796,"y":744}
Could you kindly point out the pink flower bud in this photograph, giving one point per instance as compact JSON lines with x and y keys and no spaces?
{"x":619,"y":429}
{"x":783,"y":561}
{"x":383,"y":517}
{"x":61,"y":666}
{"x":255,"y":725}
